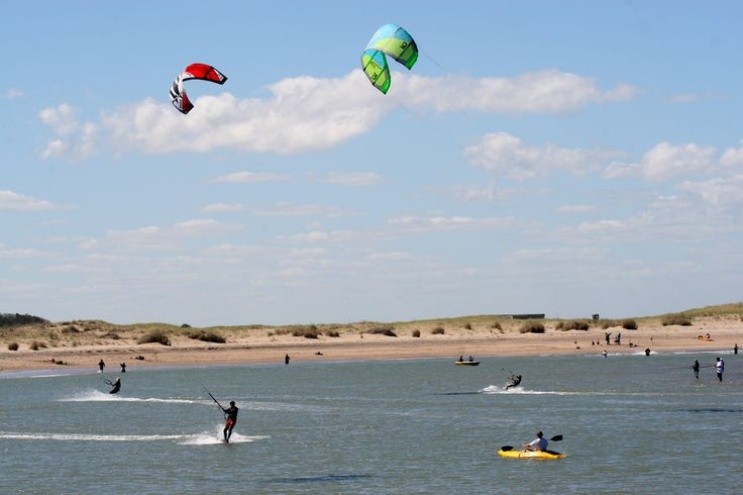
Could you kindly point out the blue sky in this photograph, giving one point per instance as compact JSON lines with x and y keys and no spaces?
{"x":568,"y":158}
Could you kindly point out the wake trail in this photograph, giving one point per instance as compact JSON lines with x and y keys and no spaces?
{"x":203,"y":438}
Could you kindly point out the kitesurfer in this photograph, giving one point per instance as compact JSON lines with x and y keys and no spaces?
{"x":695,"y":367}
{"x":116,"y":386}
{"x":123,"y":367}
{"x":515,"y":380}
{"x":231,"y":418}
{"x":539,"y":443}
{"x":101,"y":365}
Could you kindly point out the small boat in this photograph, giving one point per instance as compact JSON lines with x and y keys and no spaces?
{"x":511,"y":453}
{"x":467,"y":363}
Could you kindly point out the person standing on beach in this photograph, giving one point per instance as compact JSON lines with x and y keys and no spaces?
{"x":719,"y":368}
{"x":539,"y":443}
{"x":231,"y":418}
{"x":735,"y":348}
{"x":101,"y":365}
{"x":695,"y":367}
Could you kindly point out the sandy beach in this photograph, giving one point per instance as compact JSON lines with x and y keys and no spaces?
{"x":82,"y":344}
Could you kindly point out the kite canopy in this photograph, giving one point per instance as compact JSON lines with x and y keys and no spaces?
{"x":391,"y":40}
{"x":199,"y":71}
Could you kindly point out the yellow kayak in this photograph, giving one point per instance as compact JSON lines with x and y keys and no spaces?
{"x":512,"y":453}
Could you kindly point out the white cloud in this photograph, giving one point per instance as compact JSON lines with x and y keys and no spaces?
{"x":474,"y":192}
{"x":202,"y":228}
{"x":505,"y":154}
{"x":251,"y":178}
{"x":308,"y":113}
{"x":291,"y":210}
{"x":351,"y":179}
{"x":389,"y":256}
{"x":74,"y":140}
{"x":666,"y":160}
{"x":10,"y":253}
{"x":603,"y":226}
{"x":548,"y":91}
{"x":451,"y":223}
{"x":160,"y":238}
{"x":10,"y":200}
{"x":732,"y":157}
{"x":573,"y":209}
{"x":322,"y":236}
{"x":13,"y":93}
{"x":223,"y":208}
{"x":721,"y":192}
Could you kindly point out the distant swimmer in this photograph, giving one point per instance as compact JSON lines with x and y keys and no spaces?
{"x":230,"y":419}
{"x":695,"y":367}
{"x":116,"y":386}
{"x":719,"y":368}
{"x":515,"y":380}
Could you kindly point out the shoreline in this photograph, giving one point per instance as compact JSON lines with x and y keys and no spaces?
{"x":478,"y":342}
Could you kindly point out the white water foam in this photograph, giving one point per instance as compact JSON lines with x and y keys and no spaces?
{"x":98,"y":396}
{"x":495,"y":389}
{"x":204,"y":438}
{"x":216,"y":438}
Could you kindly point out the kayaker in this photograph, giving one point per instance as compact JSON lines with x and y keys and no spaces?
{"x":539,"y":443}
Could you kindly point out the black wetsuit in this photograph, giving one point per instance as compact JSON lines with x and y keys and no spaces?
{"x":231,"y":414}
{"x":117,"y":387}
{"x":515,"y":380}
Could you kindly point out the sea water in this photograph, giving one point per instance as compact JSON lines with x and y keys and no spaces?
{"x":630,"y":424}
